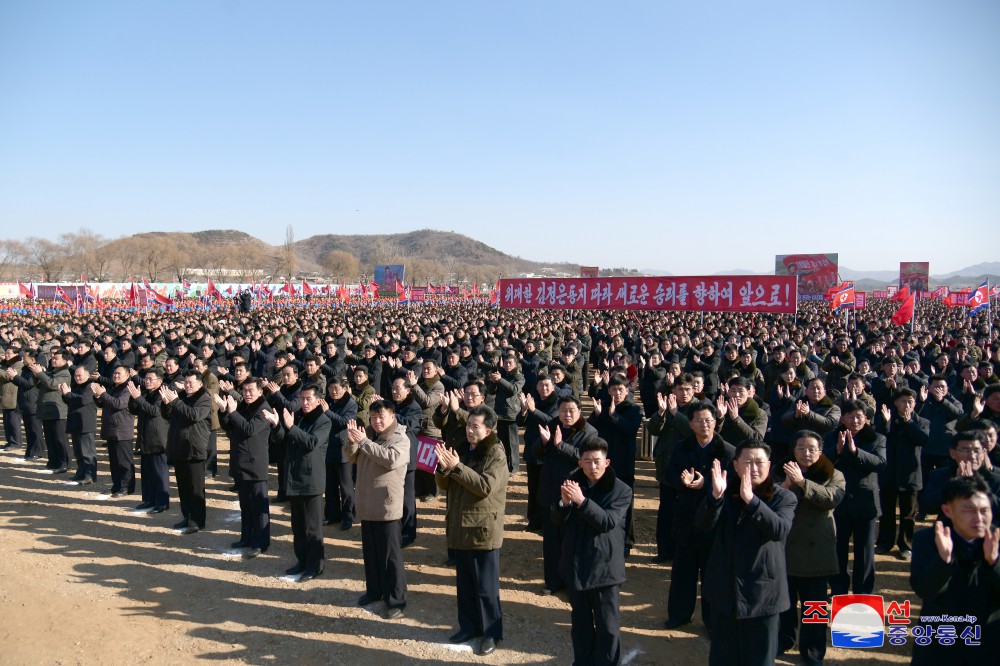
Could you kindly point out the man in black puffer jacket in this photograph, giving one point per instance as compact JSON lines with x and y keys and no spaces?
{"x":187,"y":446}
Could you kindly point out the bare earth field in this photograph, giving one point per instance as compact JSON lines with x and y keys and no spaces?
{"x":83,"y":581}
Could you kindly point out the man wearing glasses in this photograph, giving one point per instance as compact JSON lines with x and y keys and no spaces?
{"x":968,"y":455}
{"x":688,"y":473}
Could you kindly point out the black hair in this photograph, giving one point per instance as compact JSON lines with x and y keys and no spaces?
{"x":964,"y":487}
{"x":489,"y":416}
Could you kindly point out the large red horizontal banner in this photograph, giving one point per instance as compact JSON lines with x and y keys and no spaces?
{"x":742,"y":293}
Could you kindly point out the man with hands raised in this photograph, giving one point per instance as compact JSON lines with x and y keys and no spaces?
{"x":746,"y":582}
{"x":956,"y":572}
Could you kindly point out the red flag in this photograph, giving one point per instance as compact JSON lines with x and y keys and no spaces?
{"x":431,"y":289}
{"x":159,"y":298}
{"x":133,"y":294}
{"x":373,"y":289}
{"x":904,"y":315}
{"x":306,"y":289}
{"x":210,"y":290}
{"x":941,"y":292}
{"x":902,"y":294}
{"x":288,"y":288}
{"x":26,"y":290}
{"x":843,"y":297}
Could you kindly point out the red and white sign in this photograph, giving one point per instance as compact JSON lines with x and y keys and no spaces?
{"x":427,"y":458}
{"x":860,"y":299}
{"x":747,"y":293}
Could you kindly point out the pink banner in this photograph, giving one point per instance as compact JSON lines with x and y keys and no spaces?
{"x":860,"y":300}
{"x":427,"y":458}
{"x":745,"y":293}
{"x":880,"y":294}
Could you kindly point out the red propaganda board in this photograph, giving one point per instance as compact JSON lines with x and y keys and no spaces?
{"x":418,"y":294}
{"x":880,"y":294}
{"x":860,"y":299}
{"x":426,"y":453}
{"x":735,"y":293}
{"x":816,"y":272}
{"x":958,"y":298}
{"x":915,"y":275}
{"x":589,"y":271}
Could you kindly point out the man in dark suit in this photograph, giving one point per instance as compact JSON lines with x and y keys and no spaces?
{"x":593,"y":506}
{"x":187,"y":446}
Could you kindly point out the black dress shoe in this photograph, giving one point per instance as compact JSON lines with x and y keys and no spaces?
{"x":309,"y":575}
{"x":77,"y":477}
{"x":239,"y":544}
{"x":462,"y":636}
{"x":297,"y":569}
{"x":61,"y":470}
{"x":86,"y":482}
{"x":115,"y":494}
{"x":144,"y":505}
{"x":488,"y":646}
{"x":251,"y":553}
{"x":674,"y":624}
{"x":366,"y":599}
{"x":394,"y":613}
{"x":190,"y":529}
{"x":181,"y":525}
{"x":158,"y":509}
{"x":346,"y":525}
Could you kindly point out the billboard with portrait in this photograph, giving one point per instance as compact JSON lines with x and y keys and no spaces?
{"x":915,"y":275}
{"x":816,"y":272}
{"x":387,"y":275}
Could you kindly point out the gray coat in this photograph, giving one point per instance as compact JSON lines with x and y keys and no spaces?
{"x":811,"y":548}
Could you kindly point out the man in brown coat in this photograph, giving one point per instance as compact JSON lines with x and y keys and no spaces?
{"x":378,"y":500}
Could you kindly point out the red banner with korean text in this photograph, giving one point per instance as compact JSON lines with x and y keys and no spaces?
{"x":860,"y":300}
{"x":746,"y":293}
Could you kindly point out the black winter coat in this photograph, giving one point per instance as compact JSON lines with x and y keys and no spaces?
{"x":561,"y":460}
{"x":117,"y":422}
{"x":689,"y":454}
{"x":152,"y":426}
{"x":340,"y":414}
{"x":861,"y":500}
{"x":190,"y":419}
{"x":545,"y":412}
{"x":593,"y":547}
{"x":746,"y":576}
{"x":619,"y":431}
{"x":248,"y":433}
{"x":305,"y":453}
{"x":904,"y":441}
{"x":81,"y":415}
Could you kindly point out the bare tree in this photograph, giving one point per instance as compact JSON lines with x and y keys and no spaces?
{"x":384,"y":251}
{"x":12,"y":256}
{"x":288,"y":251}
{"x":343,"y":266}
{"x":48,"y":256}
{"x":250,"y":263}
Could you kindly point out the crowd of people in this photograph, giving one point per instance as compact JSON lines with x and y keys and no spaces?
{"x":789,"y":450}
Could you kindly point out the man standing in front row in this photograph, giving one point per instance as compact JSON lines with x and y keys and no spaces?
{"x":593,"y":507}
{"x":381,"y":468}
{"x":475,"y":480}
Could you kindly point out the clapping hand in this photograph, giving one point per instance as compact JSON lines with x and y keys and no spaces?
{"x":942,"y":539}
{"x":718,"y":479}
{"x":571,"y":493}
{"x":133,"y":390}
{"x":287,"y":418}
{"x":355,"y":433}
{"x":166,"y":394}
{"x":746,"y":485}
{"x":991,"y":546}
{"x":692,"y":478}
{"x":272,"y":417}
{"x":793,"y":473}
{"x":447,"y":458}
{"x":597,"y":406}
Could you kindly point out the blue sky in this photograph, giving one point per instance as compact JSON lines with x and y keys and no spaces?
{"x":692,"y":137}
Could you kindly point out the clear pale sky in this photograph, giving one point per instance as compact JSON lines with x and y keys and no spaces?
{"x":692,"y":137}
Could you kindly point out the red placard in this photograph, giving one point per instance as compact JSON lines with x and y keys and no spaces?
{"x":880,"y":294}
{"x":734,"y":293}
{"x":860,"y":299}
{"x":427,"y":458}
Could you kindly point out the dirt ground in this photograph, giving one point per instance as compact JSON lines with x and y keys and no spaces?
{"x":84,"y":581}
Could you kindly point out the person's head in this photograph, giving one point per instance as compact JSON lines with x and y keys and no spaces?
{"x":594,"y":459}
{"x":569,"y":410}
{"x":753,"y":458}
{"x":382,"y":415}
{"x":429,"y":369}
{"x":337,"y":387}
{"x":841,"y":345}
{"x":309,"y":397}
{"x":509,"y":363}
{"x":192,"y":382}
{"x":890,"y":366}
{"x":938,"y":387}
{"x":853,"y":416}
{"x":544,"y":386}
{"x":965,"y":501}
{"x":991,"y":396}
{"x":739,"y":390}
{"x":81,"y":375}
{"x":746,"y":357}
{"x":808,"y":448}
{"x":968,"y":446}
{"x":618,"y":389}
{"x":703,"y":419}
{"x":110,"y":352}
{"x":473,"y":393}
{"x":171,"y":365}
{"x":905,"y":401}
{"x":360,"y":375}
{"x":251,"y":390}
{"x":815,"y":390}
{"x":289,"y":375}
{"x":481,"y":423}
{"x":400,"y":390}
{"x":684,"y":388}
{"x":57,"y":357}
{"x":119,"y":375}
{"x":312,"y":365}
{"x":153,"y":379}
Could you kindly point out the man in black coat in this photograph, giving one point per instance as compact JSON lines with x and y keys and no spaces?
{"x":592,"y":508}
{"x":746,"y":583}
{"x":538,"y":408}
{"x":248,"y":431}
{"x":117,"y":429}
{"x":559,"y":450}
{"x":688,"y":473}
{"x":305,"y":435}
{"x":617,"y":420}
{"x":859,"y":453}
{"x":189,"y":416}
{"x":905,"y":436}
{"x":968,"y":458}
{"x":956,"y":572}
{"x":152,"y":435}
{"x":281,"y":397}
{"x":339,"y":496}
{"x":81,"y":424}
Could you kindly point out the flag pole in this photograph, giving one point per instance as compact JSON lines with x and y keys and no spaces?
{"x":913,"y":320}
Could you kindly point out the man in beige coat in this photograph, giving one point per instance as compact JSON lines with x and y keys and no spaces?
{"x":381,"y":472}
{"x":475,"y":478}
